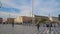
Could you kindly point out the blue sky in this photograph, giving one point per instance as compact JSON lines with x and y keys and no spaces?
{"x":7,"y":9}
{"x":24,"y":7}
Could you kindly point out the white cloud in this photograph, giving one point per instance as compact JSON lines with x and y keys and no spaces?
{"x":25,"y":9}
{"x":45,"y":7}
{"x":39,"y":5}
{"x":6,"y":14}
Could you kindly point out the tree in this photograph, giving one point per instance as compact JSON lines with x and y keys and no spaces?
{"x":42,"y":20}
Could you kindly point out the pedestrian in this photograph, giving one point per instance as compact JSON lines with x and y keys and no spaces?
{"x":38,"y":26}
{"x":51,"y":25}
{"x":47,"y":25}
{"x":12,"y":24}
{"x":47,"y":28}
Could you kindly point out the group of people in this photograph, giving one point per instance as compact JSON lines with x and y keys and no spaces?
{"x":47,"y":25}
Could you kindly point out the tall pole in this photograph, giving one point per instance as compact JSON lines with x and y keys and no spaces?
{"x":50,"y":23}
{"x":0,"y":7}
{"x":9,"y":18}
{"x":32,"y":11}
{"x":0,"y":4}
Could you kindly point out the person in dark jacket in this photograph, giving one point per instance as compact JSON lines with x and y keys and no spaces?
{"x":12,"y":24}
{"x":38,"y":25}
{"x":47,"y":25}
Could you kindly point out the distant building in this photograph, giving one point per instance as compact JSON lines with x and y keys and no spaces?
{"x":23,"y":19}
{"x":10,"y":20}
{"x":1,"y":20}
{"x":38,"y":18}
{"x":53,"y":19}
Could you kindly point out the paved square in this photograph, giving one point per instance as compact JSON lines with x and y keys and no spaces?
{"x":24,"y":29}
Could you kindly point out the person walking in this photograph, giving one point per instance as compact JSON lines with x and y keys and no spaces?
{"x":12,"y":24}
{"x":47,"y":28}
{"x":38,"y":25}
